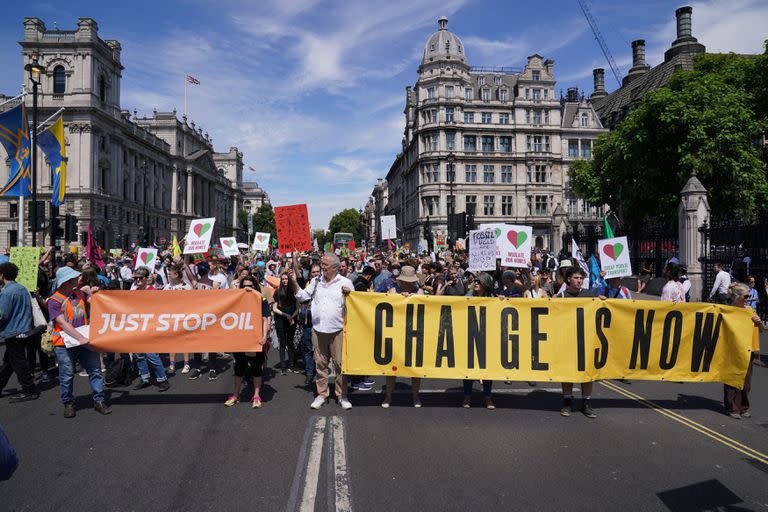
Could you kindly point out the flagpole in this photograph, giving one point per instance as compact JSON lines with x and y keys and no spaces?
{"x":20,"y":228}
{"x":40,"y":129}
{"x":22,"y":95}
{"x":185,"y":95}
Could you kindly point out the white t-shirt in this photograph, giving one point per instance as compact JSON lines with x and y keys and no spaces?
{"x":221,"y":279}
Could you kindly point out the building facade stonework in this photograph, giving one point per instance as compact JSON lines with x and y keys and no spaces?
{"x":134,"y":179}
{"x":494,"y":142}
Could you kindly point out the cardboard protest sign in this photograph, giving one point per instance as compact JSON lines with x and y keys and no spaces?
{"x":229,"y":246}
{"x":498,"y":229}
{"x":482,"y":250}
{"x":261,"y":242}
{"x":115,"y":253}
{"x":146,"y":257}
{"x":292,"y":223}
{"x":388,"y":227}
{"x":515,"y":246}
{"x":441,"y":241}
{"x":27,"y":259}
{"x":199,"y":235}
{"x":614,"y":257}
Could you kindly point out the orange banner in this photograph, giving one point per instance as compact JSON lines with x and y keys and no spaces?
{"x":176,"y":321}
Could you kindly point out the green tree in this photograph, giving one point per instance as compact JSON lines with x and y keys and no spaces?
{"x":706,"y":122}
{"x":347,"y":221}
{"x":322,"y":236}
{"x":264,"y":220}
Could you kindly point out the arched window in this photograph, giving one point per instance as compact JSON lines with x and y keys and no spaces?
{"x":59,"y":80}
{"x":102,"y":88}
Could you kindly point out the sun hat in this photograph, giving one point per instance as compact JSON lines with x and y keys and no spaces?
{"x":408,"y":274}
{"x":565,"y":263}
{"x":485,"y":280}
{"x":65,"y":274}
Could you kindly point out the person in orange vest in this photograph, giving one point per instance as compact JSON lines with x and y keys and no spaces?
{"x":68,"y":310}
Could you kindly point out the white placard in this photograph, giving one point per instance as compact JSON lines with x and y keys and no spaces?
{"x":614,"y":257}
{"x":199,"y":235}
{"x":261,"y":241}
{"x":229,"y":246}
{"x":498,"y":229}
{"x":482,"y":250}
{"x":515,"y":246}
{"x":70,"y":342}
{"x":388,"y":227}
{"x":146,"y":257}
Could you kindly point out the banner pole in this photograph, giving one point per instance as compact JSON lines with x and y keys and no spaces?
{"x":20,"y":228}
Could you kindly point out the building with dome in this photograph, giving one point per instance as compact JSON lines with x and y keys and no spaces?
{"x":493,"y":142}
{"x":134,"y":179}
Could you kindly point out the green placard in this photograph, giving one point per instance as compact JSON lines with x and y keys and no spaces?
{"x":27,"y":259}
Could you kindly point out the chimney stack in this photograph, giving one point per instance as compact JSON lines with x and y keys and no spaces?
{"x":598,"y":76}
{"x":572,"y":95}
{"x":683,"y":15}
{"x":638,"y":53}
{"x":638,"y":61}
{"x":685,"y":42}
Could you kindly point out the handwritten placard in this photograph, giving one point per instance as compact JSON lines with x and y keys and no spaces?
{"x":482,"y":250}
{"x":199,"y":235}
{"x":27,"y":259}
{"x":388,"y":227}
{"x":292,"y":223}
{"x":614,"y":257}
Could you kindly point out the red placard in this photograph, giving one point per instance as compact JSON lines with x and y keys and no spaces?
{"x":292,"y":223}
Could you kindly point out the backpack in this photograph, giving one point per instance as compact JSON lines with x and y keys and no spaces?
{"x":120,"y":373}
{"x":551,"y":263}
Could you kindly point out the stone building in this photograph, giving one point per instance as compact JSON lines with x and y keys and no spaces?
{"x":641,"y":78}
{"x":493,"y":141}
{"x":253,"y":197}
{"x":134,"y":179}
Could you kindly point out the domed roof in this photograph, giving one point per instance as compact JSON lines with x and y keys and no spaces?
{"x":443,"y":44}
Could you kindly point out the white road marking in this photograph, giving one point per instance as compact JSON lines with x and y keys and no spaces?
{"x":309,"y":492}
{"x":341,"y":478}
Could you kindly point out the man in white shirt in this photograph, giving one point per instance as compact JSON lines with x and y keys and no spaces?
{"x":126,"y":273}
{"x":327,"y":295}
{"x":719,"y":291}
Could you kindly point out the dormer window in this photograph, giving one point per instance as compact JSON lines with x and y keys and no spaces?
{"x":448,"y":45}
{"x":459,"y":47}
{"x":497,"y":80}
{"x":481,"y":80}
{"x":486,"y":94}
{"x":584,"y":119}
{"x":536,"y":75}
{"x":432,"y":47}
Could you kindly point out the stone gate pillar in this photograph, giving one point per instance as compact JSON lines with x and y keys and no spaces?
{"x":692,"y":213}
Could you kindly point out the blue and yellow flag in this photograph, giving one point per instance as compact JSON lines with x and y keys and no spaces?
{"x":14,"y":135}
{"x":51,"y":142}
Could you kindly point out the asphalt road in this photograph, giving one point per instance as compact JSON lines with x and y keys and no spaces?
{"x":183,"y":450}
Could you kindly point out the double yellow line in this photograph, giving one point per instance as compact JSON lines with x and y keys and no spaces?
{"x":717,"y":436}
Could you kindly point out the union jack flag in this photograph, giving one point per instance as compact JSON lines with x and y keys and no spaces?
{"x":193,"y":80}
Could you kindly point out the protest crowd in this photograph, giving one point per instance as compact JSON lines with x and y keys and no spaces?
{"x":302,"y":310}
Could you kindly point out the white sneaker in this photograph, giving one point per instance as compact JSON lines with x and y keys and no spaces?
{"x":185,"y":369}
{"x":345,"y":404}
{"x":318,"y":402}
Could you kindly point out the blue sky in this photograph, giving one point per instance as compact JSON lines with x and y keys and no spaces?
{"x":312,"y":91}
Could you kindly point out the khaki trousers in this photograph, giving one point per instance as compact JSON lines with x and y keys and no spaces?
{"x":327,"y":346}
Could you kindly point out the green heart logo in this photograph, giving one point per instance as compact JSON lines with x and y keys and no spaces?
{"x":261,"y":238}
{"x":146,"y":257}
{"x":613,"y":251}
{"x":201,"y":229}
{"x":229,"y":243}
{"x":517,"y":238}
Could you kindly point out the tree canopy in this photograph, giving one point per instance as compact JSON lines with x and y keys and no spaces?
{"x":263,"y":220}
{"x":709,"y":122}
{"x":347,"y":221}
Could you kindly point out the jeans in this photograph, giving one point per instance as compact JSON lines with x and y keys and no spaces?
{"x":486,"y":387}
{"x":309,"y":356}
{"x":15,"y":361}
{"x":155,"y":362}
{"x":89,"y":360}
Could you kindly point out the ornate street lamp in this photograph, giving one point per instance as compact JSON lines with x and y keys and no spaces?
{"x":35,"y":69}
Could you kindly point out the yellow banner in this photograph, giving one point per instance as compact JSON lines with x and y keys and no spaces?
{"x":558,"y":340}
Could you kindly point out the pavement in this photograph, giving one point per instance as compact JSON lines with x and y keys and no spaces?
{"x":654,"y":446}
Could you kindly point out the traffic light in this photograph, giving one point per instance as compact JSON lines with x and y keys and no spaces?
{"x":70,"y":228}
{"x":56,"y":225}
{"x":40,"y":214}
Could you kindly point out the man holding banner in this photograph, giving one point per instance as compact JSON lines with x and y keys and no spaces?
{"x":326,"y":295}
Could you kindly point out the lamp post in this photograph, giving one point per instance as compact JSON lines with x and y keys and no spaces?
{"x":35,"y":69}
{"x":451,"y":199}
{"x":145,"y":242}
